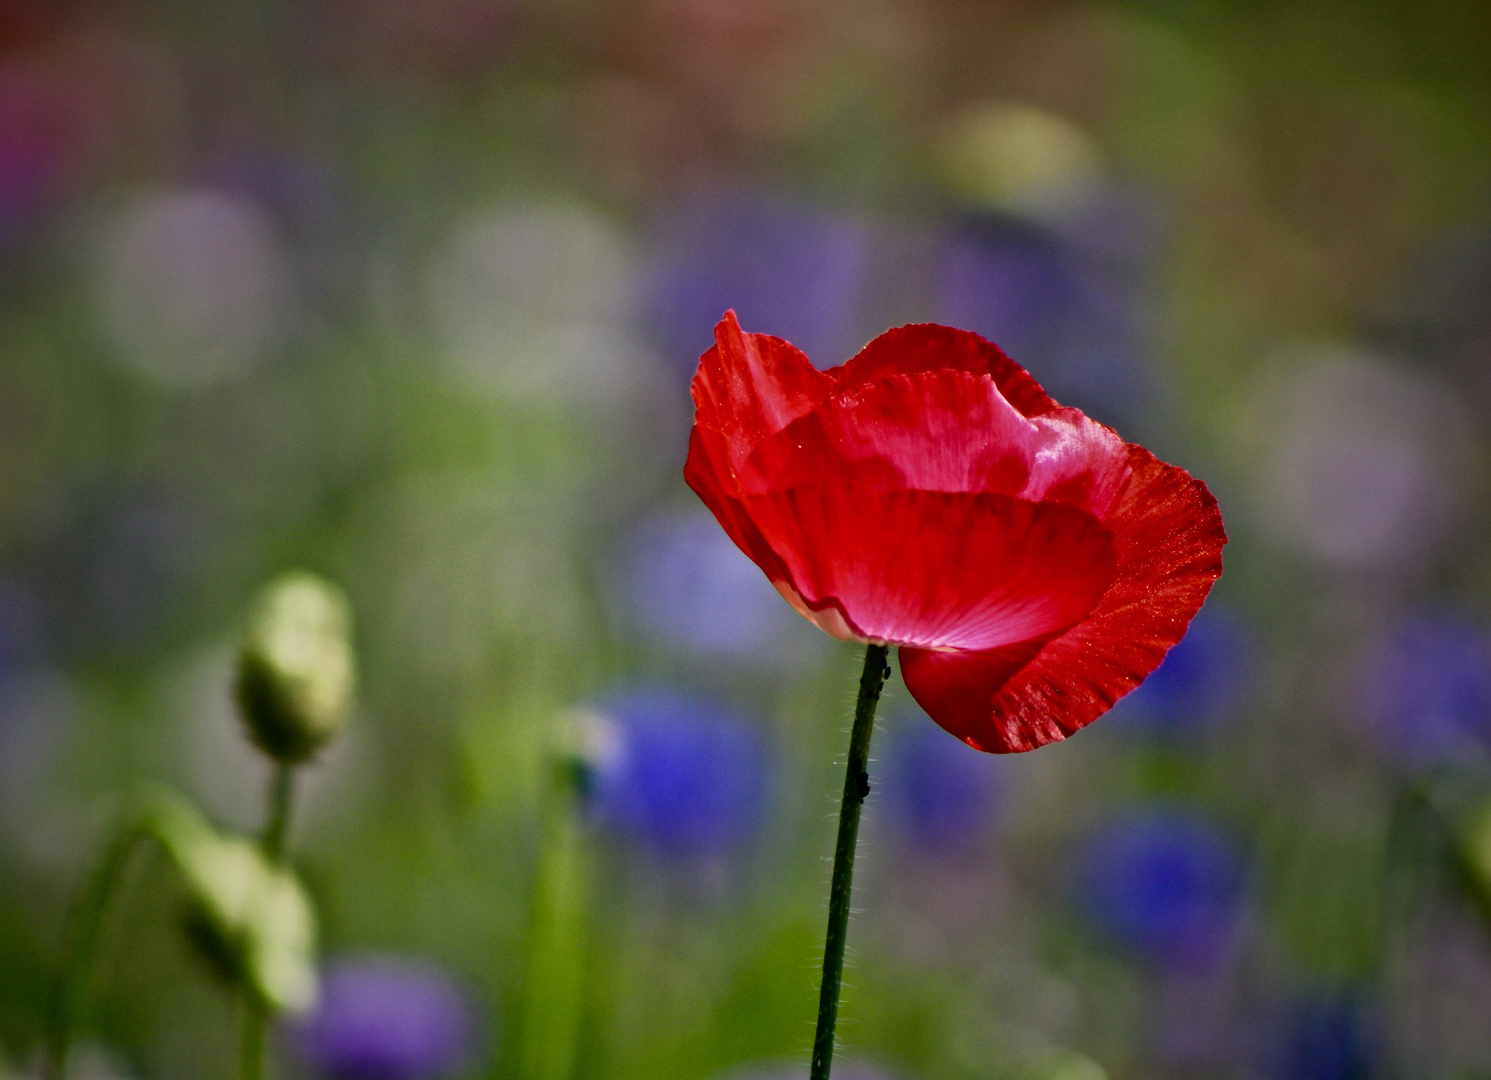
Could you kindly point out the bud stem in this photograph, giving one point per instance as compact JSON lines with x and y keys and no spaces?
{"x":856,"y":788}
{"x":254,"y":1016}
{"x":281,"y":795}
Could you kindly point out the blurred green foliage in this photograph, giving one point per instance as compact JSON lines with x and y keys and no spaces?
{"x":1305,"y":178}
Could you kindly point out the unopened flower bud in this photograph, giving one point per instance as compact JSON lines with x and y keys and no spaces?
{"x":251,"y":917}
{"x":296,"y":672}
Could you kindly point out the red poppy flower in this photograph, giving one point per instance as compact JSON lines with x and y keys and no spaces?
{"x":1031,"y":565}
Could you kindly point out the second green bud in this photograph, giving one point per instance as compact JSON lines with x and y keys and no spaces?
{"x":296,"y":672}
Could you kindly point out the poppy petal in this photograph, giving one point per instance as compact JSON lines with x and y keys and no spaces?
{"x":1078,"y":461}
{"x":749,"y":386}
{"x":707,"y":474}
{"x":944,"y":430}
{"x":936,"y":570}
{"x":928,"y":347}
{"x":1168,"y":540}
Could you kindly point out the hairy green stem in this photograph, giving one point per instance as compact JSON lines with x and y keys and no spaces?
{"x":85,"y":925}
{"x":856,"y":788}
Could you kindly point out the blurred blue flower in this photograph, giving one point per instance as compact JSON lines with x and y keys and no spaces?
{"x":683,"y":776}
{"x":1026,"y":290}
{"x":385,"y":1017}
{"x":939,"y":791}
{"x":1202,"y":680}
{"x":1167,"y":883}
{"x":788,"y":268}
{"x":1427,"y":688}
{"x":683,"y":580}
{"x":1319,"y":1039}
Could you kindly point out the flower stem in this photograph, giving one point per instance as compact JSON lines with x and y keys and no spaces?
{"x":281,"y":791}
{"x":856,"y":788}
{"x":554,"y":989}
{"x":253,"y":1015}
{"x":84,"y":927}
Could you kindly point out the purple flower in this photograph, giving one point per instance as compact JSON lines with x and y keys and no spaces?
{"x":1073,"y":327}
{"x":1167,"y":883}
{"x":1202,"y":680}
{"x":682,"y":776}
{"x":1426,"y":689}
{"x":1319,"y":1039}
{"x":384,"y":1017}
{"x":940,"y":795}
{"x":795,"y":267}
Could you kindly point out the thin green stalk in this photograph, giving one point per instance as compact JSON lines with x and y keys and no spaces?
{"x":856,"y":788}
{"x":554,"y":989}
{"x":85,"y":924}
{"x":281,"y":793}
{"x":253,"y":1015}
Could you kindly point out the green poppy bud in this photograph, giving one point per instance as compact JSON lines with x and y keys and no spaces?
{"x":250,"y":916}
{"x":296,"y":672}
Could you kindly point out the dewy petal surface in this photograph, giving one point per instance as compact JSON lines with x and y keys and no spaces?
{"x":937,"y":570}
{"x":944,"y":430}
{"x":1168,"y":540}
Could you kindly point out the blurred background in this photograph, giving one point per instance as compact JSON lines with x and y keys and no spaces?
{"x":410,"y":293}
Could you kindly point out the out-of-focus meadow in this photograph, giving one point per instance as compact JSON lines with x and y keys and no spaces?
{"x":409,"y":294}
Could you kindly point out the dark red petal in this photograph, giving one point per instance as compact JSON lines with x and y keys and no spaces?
{"x":944,"y":430}
{"x":927,"y":347}
{"x":1168,"y":540}
{"x":935,"y":569}
{"x":749,"y":386}
{"x":706,"y":472}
